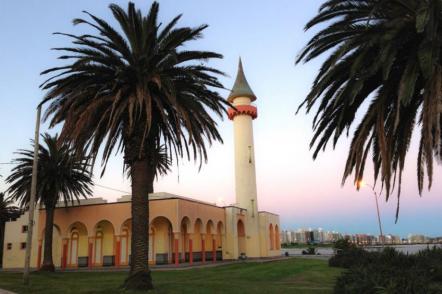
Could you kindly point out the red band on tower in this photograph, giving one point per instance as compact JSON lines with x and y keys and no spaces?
{"x":243,"y":110}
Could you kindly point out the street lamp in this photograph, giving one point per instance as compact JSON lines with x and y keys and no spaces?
{"x":363,"y":184}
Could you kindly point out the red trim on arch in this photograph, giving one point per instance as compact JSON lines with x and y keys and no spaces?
{"x":190,"y":252}
{"x":39,"y":256}
{"x":203,"y":250}
{"x":243,"y":110}
{"x":117,"y":253}
{"x":90,"y":251}
{"x":177,"y":261}
{"x":214,"y":250}
{"x":64,"y":257}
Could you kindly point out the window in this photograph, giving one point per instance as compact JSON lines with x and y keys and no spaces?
{"x":24,"y":229}
{"x":23,"y":245}
{"x":9,"y":246}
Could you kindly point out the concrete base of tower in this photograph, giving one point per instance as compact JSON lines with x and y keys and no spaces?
{"x":245,"y":238}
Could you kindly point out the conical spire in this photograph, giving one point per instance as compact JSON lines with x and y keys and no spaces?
{"x":241,"y":87}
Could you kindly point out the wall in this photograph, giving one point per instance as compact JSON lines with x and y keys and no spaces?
{"x":15,"y":258}
{"x":111,"y":217}
{"x":267,"y":219}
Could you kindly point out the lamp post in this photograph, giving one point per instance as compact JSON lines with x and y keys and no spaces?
{"x":32,"y":200}
{"x":362,"y":184}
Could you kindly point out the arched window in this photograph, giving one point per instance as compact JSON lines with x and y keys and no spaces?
{"x":241,"y":238}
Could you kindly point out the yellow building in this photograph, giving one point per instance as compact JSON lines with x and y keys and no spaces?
{"x":95,"y":233}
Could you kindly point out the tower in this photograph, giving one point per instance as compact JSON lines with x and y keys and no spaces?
{"x":242,"y":116}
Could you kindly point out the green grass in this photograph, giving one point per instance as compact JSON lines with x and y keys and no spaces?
{"x":287,"y":276}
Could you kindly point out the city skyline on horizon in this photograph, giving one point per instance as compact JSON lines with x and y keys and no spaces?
{"x":304,"y":192}
{"x":375,"y":234}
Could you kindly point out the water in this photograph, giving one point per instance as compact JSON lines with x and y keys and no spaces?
{"x":298,"y":251}
{"x":407,"y":249}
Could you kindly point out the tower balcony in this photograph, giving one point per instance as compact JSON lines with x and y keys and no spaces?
{"x":242,"y":110}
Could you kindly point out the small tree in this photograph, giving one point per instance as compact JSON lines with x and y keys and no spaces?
{"x":63,"y":175}
{"x":343,"y":244}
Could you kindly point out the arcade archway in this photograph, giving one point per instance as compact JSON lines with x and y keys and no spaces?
{"x":241,"y":238}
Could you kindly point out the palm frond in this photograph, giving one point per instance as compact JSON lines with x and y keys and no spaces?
{"x":386,"y":51}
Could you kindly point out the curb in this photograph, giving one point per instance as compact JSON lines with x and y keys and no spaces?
{"x":6,"y":292}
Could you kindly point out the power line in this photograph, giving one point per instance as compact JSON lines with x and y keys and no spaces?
{"x":113,"y":189}
{"x":98,"y":185}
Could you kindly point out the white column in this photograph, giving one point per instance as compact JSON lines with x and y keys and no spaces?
{"x":245,"y":176}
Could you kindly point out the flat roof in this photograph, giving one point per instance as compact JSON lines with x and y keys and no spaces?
{"x":153,"y":197}
{"x":263,"y":211}
{"x":158,"y":196}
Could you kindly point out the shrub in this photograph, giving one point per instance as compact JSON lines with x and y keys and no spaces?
{"x":390,"y":272}
{"x":343,"y":244}
{"x":309,"y":251}
{"x":347,"y":254}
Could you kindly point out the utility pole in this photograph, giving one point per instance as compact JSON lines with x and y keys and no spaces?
{"x":379,"y":218}
{"x":32,"y":200}
{"x":361,"y":183}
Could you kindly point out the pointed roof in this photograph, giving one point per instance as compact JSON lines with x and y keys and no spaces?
{"x":241,"y":87}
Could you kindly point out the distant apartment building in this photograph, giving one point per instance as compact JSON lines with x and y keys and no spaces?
{"x":364,"y":239}
{"x":286,"y":237}
{"x":304,"y":236}
{"x":412,"y":238}
{"x":307,"y":236}
{"x":392,"y":239}
{"x":333,"y":236}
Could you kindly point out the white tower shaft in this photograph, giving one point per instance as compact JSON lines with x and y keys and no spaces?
{"x":242,"y":115}
{"x":245,"y":174}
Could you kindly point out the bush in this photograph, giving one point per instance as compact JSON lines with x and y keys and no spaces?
{"x":390,"y":272}
{"x":349,"y":258}
{"x":343,"y":244}
{"x":309,"y":251}
{"x":347,"y":255}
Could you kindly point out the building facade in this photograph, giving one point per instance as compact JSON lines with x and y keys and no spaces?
{"x":95,"y":233}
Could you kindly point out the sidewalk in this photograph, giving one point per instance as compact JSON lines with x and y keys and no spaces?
{"x":165,"y":267}
{"x":5,"y":292}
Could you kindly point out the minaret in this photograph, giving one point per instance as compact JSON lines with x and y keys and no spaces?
{"x":242,"y":97}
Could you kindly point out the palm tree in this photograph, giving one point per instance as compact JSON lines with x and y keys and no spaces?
{"x":63,"y":175}
{"x":386,"y":53}
{"x":7,"y":213}
{"x":132,"y":90}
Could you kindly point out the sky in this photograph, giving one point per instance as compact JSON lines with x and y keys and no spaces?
{"x":268,"y":35}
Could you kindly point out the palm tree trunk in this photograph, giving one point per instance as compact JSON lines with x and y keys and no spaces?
{"x":142,"y":176}
{"x":48,"y":264}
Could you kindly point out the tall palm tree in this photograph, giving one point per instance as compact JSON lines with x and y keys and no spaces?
{"x":7,"y":212}
{"x":386,"y":53}
{"x":63,"y":175}
{"x":131,"y":90}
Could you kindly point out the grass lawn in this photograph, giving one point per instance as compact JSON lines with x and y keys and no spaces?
{"x":288,"y":276}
